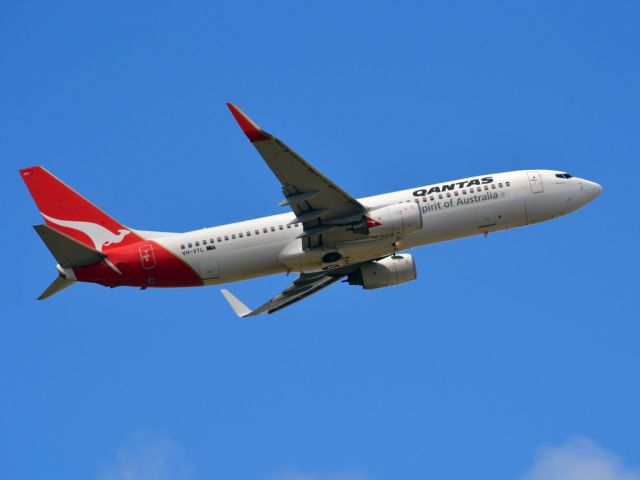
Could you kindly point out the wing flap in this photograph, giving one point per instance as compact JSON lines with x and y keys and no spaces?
{"x":298,"y":177}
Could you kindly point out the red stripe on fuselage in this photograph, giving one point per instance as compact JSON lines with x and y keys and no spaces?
{"x":168,"y":271}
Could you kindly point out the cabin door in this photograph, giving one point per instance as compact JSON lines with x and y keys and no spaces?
{"x":536,"y":182}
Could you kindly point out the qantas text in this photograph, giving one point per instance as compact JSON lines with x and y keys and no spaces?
{"x":452,"y":186}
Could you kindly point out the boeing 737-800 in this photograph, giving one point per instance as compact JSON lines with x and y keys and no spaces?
{"x":329,"y":235}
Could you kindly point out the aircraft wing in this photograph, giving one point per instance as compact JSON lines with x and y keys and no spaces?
{"x":303,"y":286}
{"x":314,"y":198}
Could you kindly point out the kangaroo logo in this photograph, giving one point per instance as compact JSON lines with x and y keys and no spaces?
{"x":100,"y":236}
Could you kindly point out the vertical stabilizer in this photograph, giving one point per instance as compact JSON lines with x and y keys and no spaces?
{"x":68,"y":212}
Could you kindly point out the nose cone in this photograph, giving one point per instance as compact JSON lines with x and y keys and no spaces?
{"x":591,"y":190}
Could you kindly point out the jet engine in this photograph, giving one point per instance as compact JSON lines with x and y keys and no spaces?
{"x":398,"y":219}
{"x":384,"y":273}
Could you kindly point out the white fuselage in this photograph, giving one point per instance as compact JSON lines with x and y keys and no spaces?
{"x":253,"y":248}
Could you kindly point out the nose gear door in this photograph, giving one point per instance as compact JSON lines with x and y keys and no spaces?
{"x":535,"y":180}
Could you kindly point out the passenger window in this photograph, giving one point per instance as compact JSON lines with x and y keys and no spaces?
{"x":448,"y":195}
{"x":256,"y":231}
{"x":500,"y":185}
{"x":204,"y":242}
{"x":248,"y":233}
{"x":240,"y":235}
{"x":264,"y":230}
{"x":471,"y":190}
{"x":508,"y":184}
{"x":211,"y":240}
{"x":226,"y":238}
{"x":493,"y":185}
{"x":280,"y":227}
{"x":190,"y":245}
{"x":182,"y":246}
{"x":464,"y":192}
{"x":455,"y":193}
{"x":431,"y":198}
{"x":424,"y":199}
{"x":233,"y":236}
{"x":440,"y":196}
{"x":219,"y":239}
{"x":288,"y":226}
{"x":486,"y":188}
{"x":197,"y":244}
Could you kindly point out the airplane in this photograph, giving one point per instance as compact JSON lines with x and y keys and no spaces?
{"x":327,"y":236}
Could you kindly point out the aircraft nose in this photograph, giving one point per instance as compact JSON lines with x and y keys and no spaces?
{"x":591,"y":190}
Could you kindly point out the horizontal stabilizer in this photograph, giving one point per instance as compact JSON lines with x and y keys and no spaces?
{"x":68,"y":252}
{"x":58,"y":285}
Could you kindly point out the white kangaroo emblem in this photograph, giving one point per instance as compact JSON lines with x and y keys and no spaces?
{"x":100,"y":236}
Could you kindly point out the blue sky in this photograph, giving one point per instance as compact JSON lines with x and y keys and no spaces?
{"x":510,"y":357}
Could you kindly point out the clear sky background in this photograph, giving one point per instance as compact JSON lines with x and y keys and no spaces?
{"x":511,"y":357}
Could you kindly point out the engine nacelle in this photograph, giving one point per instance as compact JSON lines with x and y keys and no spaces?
{"x":396,"y":220}
{"x":384,"y":273}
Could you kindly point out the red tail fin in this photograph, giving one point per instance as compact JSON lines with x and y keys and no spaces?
{"x":70,"y":213}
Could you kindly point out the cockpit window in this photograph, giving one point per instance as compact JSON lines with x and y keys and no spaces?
{"x":564,"y":175}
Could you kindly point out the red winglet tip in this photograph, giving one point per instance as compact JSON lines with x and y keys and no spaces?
{"x":25,"y":172}
{"x":250,"y":129}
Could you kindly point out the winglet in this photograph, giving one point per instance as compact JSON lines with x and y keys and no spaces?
{"x":253,"y":132}
{"x":238,"y":307}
